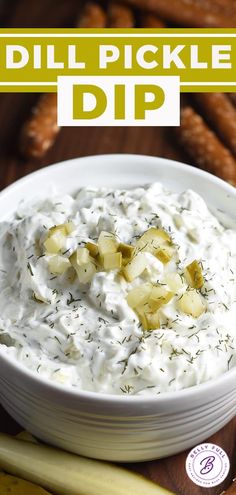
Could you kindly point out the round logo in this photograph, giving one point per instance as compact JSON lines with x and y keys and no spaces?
{"x":207,"y":465}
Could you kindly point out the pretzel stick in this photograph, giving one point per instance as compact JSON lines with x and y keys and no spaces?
{"x":93,"y":16}
{"x":186,"y":13}
{"x":226,"y":6}
{"x":231,"y":490}
{"x":204,"y":147}
{"x":150,"y":20}
{"x":40,"y":130}
{"x":120,"y":16}
{"x":232,"y":97}
{"x":221,"y":114}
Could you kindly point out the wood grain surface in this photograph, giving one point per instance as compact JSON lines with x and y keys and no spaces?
{"x":74,"y":142}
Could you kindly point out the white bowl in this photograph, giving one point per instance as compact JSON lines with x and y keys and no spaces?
{"x":118,"y":428}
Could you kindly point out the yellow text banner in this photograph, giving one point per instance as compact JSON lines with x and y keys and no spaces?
{"x":33,"y":59}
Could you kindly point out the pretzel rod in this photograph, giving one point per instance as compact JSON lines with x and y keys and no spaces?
{"x":221,"y":114}
{"x":186,"y":13}
{"x":149,"y":20}
{"x":40,"y":130}
{"x":232,"y":97}
{"x":120,"y":16}
{"x":204,"y":147}
{"x":226,"y":6}
{"x":93,"y":16}
{"x":231,"y":490}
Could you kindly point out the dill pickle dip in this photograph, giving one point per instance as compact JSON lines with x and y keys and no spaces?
{"x":119,"y":291}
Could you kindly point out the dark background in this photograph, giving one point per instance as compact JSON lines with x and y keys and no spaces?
{"x":75,"y":142}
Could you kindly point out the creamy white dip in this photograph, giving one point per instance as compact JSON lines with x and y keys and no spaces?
{"x":87,"y":336}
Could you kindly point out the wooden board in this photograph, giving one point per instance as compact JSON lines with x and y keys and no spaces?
{"x":74,"y":142}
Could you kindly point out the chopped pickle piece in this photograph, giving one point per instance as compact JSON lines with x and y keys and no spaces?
{"x":139,"y":295}
{"x":193,"y":275}
{"x":178,"y":221}
{"x":71,"y":274}
{"x":135,"y":267}
{"x":58,"y":264}
{"x":126,"y":249}
{"x":153,"y":321}
{"x":37,"y":297}
{"x":154,"y":236}
{"x":40,"y":298}
{"x":143,"y":320}
{"x":86,"y":272}
{"x":143,"y":308}
{"x":93,"y":248}
{"x":73,"y":260}
{"x":107,"y":243}
{"x":99,"y":262}
{"x":64,"y":228}
{"x":80,"y":257}
{"x":70,"y":227}
{"x":157,"y":242}
{"x":174,"y":281}
{"x":112,"y":261}
{"x":57,"y":228}
{"x":191,"y":303}
{"x":149,"y":320}
{"x":193,"y":235}
{"x":164,"y":254}
{"x":125,"y":261}
{"x":159,"y":296}
{"x":55,"y":242}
